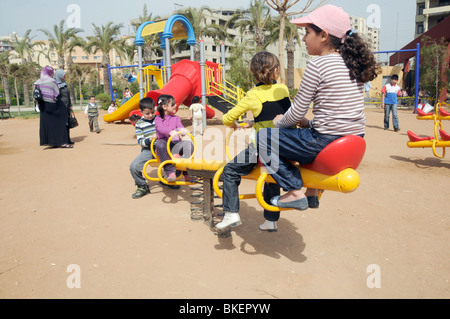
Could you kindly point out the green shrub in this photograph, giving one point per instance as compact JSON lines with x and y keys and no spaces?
{"x":103,"y":100}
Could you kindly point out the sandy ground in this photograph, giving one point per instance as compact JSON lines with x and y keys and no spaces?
{"x":66,"y":208}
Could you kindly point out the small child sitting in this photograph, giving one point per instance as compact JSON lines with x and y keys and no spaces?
{"x":145,"y":133}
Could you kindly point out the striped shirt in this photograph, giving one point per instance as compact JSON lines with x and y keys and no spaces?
{"x":145,"y":130}
{"x":91,"y":109}
{"x":338,"y":101}
{"x":49,"y":91}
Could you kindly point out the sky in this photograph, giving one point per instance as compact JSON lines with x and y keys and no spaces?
{"x":396,"y":18}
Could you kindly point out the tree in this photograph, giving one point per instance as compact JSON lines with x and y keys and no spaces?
{"x":197,"y":19}
{"x":255,"y":19}
{"x":292,"y":36}
{"x":434,"y":67}
{"x":5,"y":74}
{"x":105,"y":39}
{"x":239,"y":61}
{"x":80,"y":74}
{"x":152,"y":42}
{"x":60,"y":40}
{"x":282,"y":7}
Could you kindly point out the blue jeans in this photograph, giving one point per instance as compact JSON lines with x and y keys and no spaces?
{"x":138,"y":164}
{"x":279,"y":146}
{"x":387,"y":109}
{"x":232,"y":174}
{"x":184,"y":148}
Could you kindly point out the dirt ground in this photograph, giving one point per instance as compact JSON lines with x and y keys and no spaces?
{"x":67,"y":218}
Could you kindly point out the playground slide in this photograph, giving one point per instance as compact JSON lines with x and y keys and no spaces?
{"x":122,"y":113}
{"x":183,"y":85}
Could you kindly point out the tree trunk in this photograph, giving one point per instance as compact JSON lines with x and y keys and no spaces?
{"x":71,"y":85}
{"x":81,"y":100}
{"x":281,"y":47}
{"x":105,"y":63}
{"x":7,"y":92}
{"x":290,"y":66}
{"x":17,"y":96}
{"x":26,"y":93}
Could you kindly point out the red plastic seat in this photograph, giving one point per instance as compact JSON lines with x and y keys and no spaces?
{"x":444,"y":135}
{"x":415,"y":138}
{"x":345,"y":152}
{"x":443,"y":112}
{"x":422,"y":113}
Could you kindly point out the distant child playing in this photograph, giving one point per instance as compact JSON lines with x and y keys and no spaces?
{"x":196,"y":109}
{"x":91,"y":111}
{"x":145,"y":132}
{"x":112,"y":107}
{"x":265,"y":101}
{"x":168,"y":124}
{"x":390,"y":92}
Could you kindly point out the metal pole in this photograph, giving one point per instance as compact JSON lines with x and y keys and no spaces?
{"x":110,"y":83}
{"x":223,"y":79}
{"x":141,"y":76}
{"x":202,"y":80}
{"x":416,"y":100}
{"x":168,"y":65}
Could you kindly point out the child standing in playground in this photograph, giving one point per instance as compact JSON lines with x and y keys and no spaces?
{"x":265,"y":101}
{"x":390,"y":92}
{"x":126,"y":95}
{"x":333,"y":82}
{"x":145,"y":133}
{"x":169,"y":125}
{"x":91,"y":111}
{"x":196,"y":109}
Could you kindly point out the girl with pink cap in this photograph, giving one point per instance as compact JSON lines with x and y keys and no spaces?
{"x":333,"y":83}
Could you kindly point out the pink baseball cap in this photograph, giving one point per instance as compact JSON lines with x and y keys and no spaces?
{"x":329,"y":18}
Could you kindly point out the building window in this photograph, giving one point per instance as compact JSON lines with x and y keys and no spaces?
{"x":420,"y":28}
{"x":421,"y":8}
{"x":84,"y":57}
{"x":96,"y":57}
{"x":444,"y":3}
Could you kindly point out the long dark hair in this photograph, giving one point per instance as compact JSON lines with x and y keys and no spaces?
{"x":163,"y":99}
{"x":357,"y":55}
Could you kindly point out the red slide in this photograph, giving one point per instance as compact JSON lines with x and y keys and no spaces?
{"x":184,"y":84}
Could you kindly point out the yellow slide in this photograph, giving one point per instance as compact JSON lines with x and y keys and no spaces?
{"x":122,"y":113}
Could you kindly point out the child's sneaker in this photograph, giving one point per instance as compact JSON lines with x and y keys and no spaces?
{"x":229,"y":220}
{"x":268,"y":226}
{"x":172,"y":177}
{"x":141,"y":191}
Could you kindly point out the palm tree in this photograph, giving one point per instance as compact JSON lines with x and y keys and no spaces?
{"x":80,"y":73}
{"x":282,"y":7}
{"x":255,"y":20}
{"x":105,"y":39}
{"x":5,"y":73}
{"x":23,"y":50}
{"x":60,"y":40}
{"x":197,"y":18}
{"x":74,"y":42}
{"x":152,"y":42}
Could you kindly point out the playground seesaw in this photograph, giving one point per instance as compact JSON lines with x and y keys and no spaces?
{"x":334,"y":169}
{"x":433,"y":142}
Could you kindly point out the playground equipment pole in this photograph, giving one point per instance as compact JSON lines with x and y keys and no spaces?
{"x":222,"y":61}
{"x":416,"y":101}
{"x":167,"y":62}
{"x":202,"y":79}
{"x":141,"y":75}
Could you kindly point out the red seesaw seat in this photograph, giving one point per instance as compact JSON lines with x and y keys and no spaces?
{"x":443,"y":112}
{"x":345,"y":152}
{"x":422,"y":113}
{"x":444,"y":135}
{"x":415,"y":138}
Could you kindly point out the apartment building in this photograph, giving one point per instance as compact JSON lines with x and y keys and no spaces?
{"x":429,"y":13}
